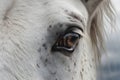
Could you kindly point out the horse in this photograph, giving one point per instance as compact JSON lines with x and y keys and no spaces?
{"x":52,"y":40}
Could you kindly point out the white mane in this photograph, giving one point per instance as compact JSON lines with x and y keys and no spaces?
{"x":104,"y":12}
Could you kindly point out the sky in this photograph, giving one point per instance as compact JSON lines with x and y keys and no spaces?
{"x":113,"y":41}
{"x":111,"y":60}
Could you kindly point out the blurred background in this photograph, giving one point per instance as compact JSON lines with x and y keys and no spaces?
{"x":111,"y":61}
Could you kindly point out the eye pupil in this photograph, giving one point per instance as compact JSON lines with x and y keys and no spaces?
{"x":69,"y":42}
{"x":72,"y":39}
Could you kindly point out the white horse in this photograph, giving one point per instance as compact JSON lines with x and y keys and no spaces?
{"x":52,"y":39}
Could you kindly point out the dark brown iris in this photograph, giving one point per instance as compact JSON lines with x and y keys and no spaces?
{"x":67,"y":42}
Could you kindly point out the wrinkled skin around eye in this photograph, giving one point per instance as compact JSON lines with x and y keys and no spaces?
{"x":26,"y":41}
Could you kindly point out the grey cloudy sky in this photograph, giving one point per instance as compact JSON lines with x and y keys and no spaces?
{"x":111,"y":61}
{"x":113,"y":42}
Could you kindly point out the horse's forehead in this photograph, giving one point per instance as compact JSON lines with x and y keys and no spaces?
{"x":56,"y":11}
{"x":66,"y":4}
{"x":30,"y":29}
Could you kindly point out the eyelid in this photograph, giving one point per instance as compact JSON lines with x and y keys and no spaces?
{"x":75,"y":25}
{"x":81,"y":33}
{"x":78,"y":29}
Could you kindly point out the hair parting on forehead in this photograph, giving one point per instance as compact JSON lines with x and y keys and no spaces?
{"x":104,"y":12}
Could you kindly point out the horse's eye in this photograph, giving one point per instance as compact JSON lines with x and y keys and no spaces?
{"x":67,"y":42}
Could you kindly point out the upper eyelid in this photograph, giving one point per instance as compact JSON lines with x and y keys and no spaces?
{"x":63,"y":27}
{"x":81,"y":30}
{"x":75,"y":26}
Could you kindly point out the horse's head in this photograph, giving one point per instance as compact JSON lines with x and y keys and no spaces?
{"x":50,"y":40}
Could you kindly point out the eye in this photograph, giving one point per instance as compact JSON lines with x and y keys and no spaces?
{"x":67,"y":42}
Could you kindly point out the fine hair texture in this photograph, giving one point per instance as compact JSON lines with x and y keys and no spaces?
{"x":104,"y":12}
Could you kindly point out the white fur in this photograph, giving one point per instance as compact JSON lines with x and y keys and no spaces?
{"x":24,"y":28}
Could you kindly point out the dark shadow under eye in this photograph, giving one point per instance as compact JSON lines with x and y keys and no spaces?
{"x":85,"y":1}
{"x":67,"y":42}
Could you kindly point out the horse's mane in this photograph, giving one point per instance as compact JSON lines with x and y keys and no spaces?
{"x":104,"y":12}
